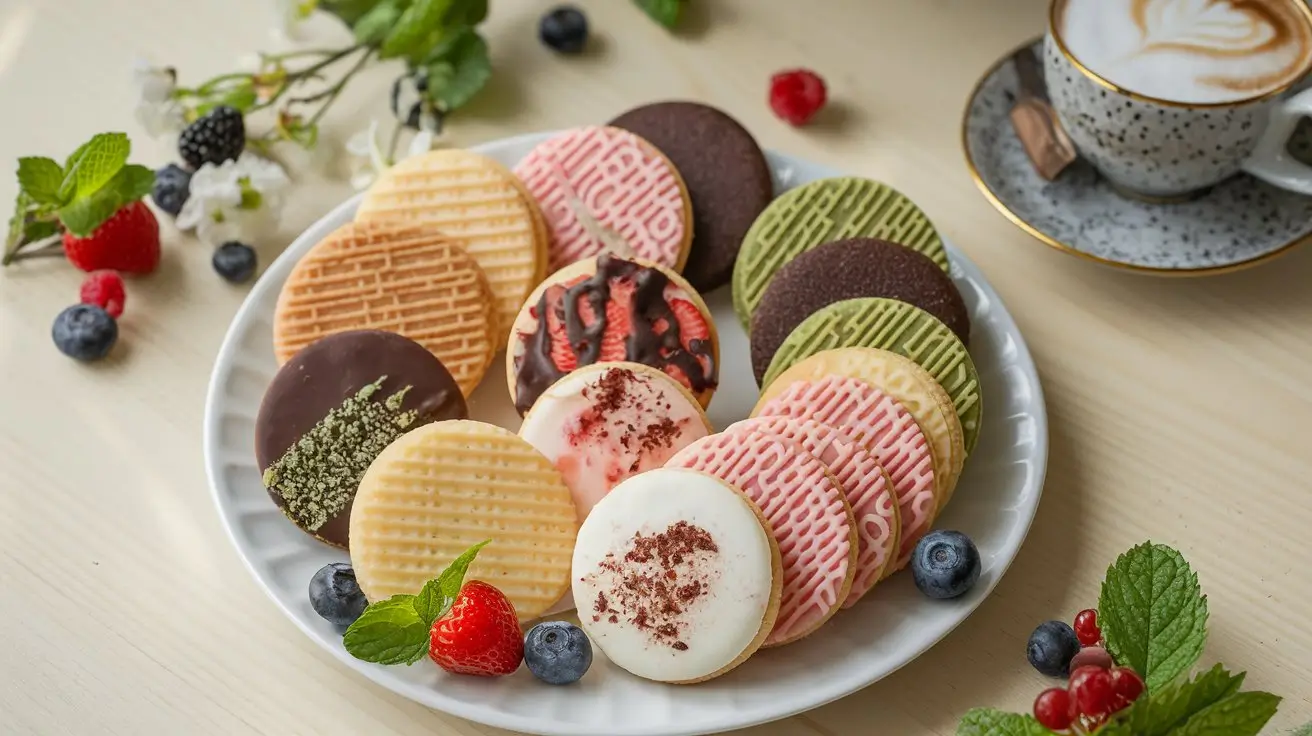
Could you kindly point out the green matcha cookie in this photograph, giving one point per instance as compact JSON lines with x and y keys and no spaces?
{"x":897,"y":327}
{"x":819,"y":212}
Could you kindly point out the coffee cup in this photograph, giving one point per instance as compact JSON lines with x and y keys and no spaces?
{"x":1169,"y":97}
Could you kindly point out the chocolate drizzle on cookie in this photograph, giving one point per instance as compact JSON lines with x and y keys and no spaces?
{"x":536,"y":371}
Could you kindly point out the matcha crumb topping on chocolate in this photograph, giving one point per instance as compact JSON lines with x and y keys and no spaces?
{"x":318,"y":476}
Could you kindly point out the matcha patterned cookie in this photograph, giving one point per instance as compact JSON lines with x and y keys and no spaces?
{"x":900,"y":328}
{"x":819,"y":212}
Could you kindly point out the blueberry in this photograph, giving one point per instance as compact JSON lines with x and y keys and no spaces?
{"x":84,"y":332}
{"x":172,"y":188}
{"x":335,"y":595}
{"x":235,"y":261}
{"x":557,"y":652}
{"x":564,"y":28}
{"x":945,"y":564}
{"x":1051,"y":648}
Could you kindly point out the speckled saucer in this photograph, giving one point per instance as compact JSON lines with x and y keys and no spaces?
{"x":1240,"y":222}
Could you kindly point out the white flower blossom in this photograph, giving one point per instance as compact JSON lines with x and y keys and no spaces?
{"x":368,"y":159}
{"x":291,"y":14}
{"x":235,"y":200}
{"x":157,"y":111}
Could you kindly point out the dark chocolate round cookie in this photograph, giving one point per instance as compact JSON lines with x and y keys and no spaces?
{"x":726,"y":174}
{"x":851,"y":269}
{"x":376,"y":385}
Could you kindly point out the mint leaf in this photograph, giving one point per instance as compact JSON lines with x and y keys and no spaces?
{"x":990,"y":722}
{"x":440,"y":593}
{"x":1153,"y":614}
{"x":104,"y":155}
{"x":456,"y":77}
{"x":40,"y":177}
{"x":373,"y":26}
{"x":467,"y":12}
{"x":17,"y":223}
{"x":417,"y":23}
{"x":665,"y":12}
{"x":1241,"y":714}
{"x":83,"y":215}
{"x":1303,"y":730}
{"x":388,"y":632}
{"x":1159,"y":713}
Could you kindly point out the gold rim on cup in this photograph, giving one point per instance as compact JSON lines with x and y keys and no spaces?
{"x":1061,"y":46}
{"x":1055,"y":244}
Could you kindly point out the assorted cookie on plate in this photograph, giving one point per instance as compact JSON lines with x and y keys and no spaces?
{"x":685,"y":550}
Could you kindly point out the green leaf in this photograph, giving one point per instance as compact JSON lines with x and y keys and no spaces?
{"x":83,"y":215}
{"x":41,"y":178}
{"x":665,"y":12}
{"x":460,"y":74}
{"x":440,"y":593}
{"x":241,"y":97}
{"x":417,"y":23}
{"x":388,"y":632}
{"x":133,"y":182}
{"x":1159,"y":713}
{"x":1241,"y":714}
{"x":350,"y":11}
{"x":990,"y":722}
{"x":1303,"y":730}
{"x":374,"y":25}
{"x":104,"y":155}
{"x":467,"y":12}
{"x":1153,"y":614}
{"x":17,"y":222}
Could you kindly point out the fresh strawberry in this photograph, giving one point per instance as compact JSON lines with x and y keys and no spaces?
{"x":105,"y":290}
{"x":127,"y":242}
{"x":480,"y":634}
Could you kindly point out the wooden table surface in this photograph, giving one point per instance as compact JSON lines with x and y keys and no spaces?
{"x":1180,"y":409}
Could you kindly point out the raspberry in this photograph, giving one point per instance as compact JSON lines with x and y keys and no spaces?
{"x":217,"y":136}
{"x":797,"y":95}
{"x":105,"y":290}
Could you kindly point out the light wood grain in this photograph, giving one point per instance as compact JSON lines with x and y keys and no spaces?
{"x":1180,"y":410}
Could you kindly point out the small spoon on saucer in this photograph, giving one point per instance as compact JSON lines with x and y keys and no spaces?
{"x":1035,"y":121}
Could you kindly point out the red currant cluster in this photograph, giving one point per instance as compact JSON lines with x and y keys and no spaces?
{"x":1097,"y":689}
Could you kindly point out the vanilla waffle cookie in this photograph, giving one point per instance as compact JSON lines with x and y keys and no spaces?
{"x":478,"y":203}
{"x":401,"y":279}
{"x":447,"y":486}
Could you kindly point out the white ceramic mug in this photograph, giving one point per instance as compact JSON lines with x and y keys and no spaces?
{"x":1158,"y":148}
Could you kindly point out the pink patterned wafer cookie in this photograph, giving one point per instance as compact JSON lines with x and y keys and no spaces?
{"x":886,"y":429}
{"x":605,"y":189}
{"x":868,"y":488}
{"x":809,"y":515}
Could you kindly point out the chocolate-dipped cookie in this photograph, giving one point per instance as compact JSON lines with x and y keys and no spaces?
{"x":332,"y":408}
{"x":851,"y":269}
{"x":725,"y":172}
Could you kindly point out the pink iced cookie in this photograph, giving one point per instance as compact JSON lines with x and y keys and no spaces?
{"x":886,"y":429}
{"x":868,"y":488}
{"x":605,"y":189}
{"x":607,"y":422}
{"x":810,"y":518}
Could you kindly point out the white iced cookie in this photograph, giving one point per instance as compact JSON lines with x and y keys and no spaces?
{"x":677,"y":576}
{"x":606,"y":422}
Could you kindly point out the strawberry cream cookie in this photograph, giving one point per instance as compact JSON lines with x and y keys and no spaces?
{"x":610,"y":309}
{"x":607,"y":422}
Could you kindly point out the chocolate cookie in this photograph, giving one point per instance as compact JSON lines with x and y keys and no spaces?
{"x":375,"y":385}
{"x":851,"y":269}
{"x":726,"y":174}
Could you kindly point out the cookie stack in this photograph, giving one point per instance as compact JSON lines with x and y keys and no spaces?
{"x":685,"y":549}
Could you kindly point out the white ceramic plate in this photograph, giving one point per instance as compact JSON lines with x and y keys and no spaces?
{"x":994,"y":504}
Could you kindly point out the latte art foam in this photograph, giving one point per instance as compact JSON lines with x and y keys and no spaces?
{"x":1201,"y":51}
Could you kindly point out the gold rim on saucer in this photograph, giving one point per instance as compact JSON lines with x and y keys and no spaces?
{"x":1061,"y":46}
{"x":1051,"y":242}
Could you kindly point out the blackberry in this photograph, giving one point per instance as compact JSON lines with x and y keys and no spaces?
{"x":217,"y":136}
{"x":172,"y":188}
{"x":234,"y":261}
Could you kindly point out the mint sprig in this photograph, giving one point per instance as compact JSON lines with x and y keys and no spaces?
{"x":79,"y":196}
{"x":1153,"y":613}
{"x":396,"y":630}
{"x":991,"y":722}
{"x":665,"y":12}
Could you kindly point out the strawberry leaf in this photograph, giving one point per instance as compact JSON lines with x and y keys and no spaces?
{"x":41,"y":178}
